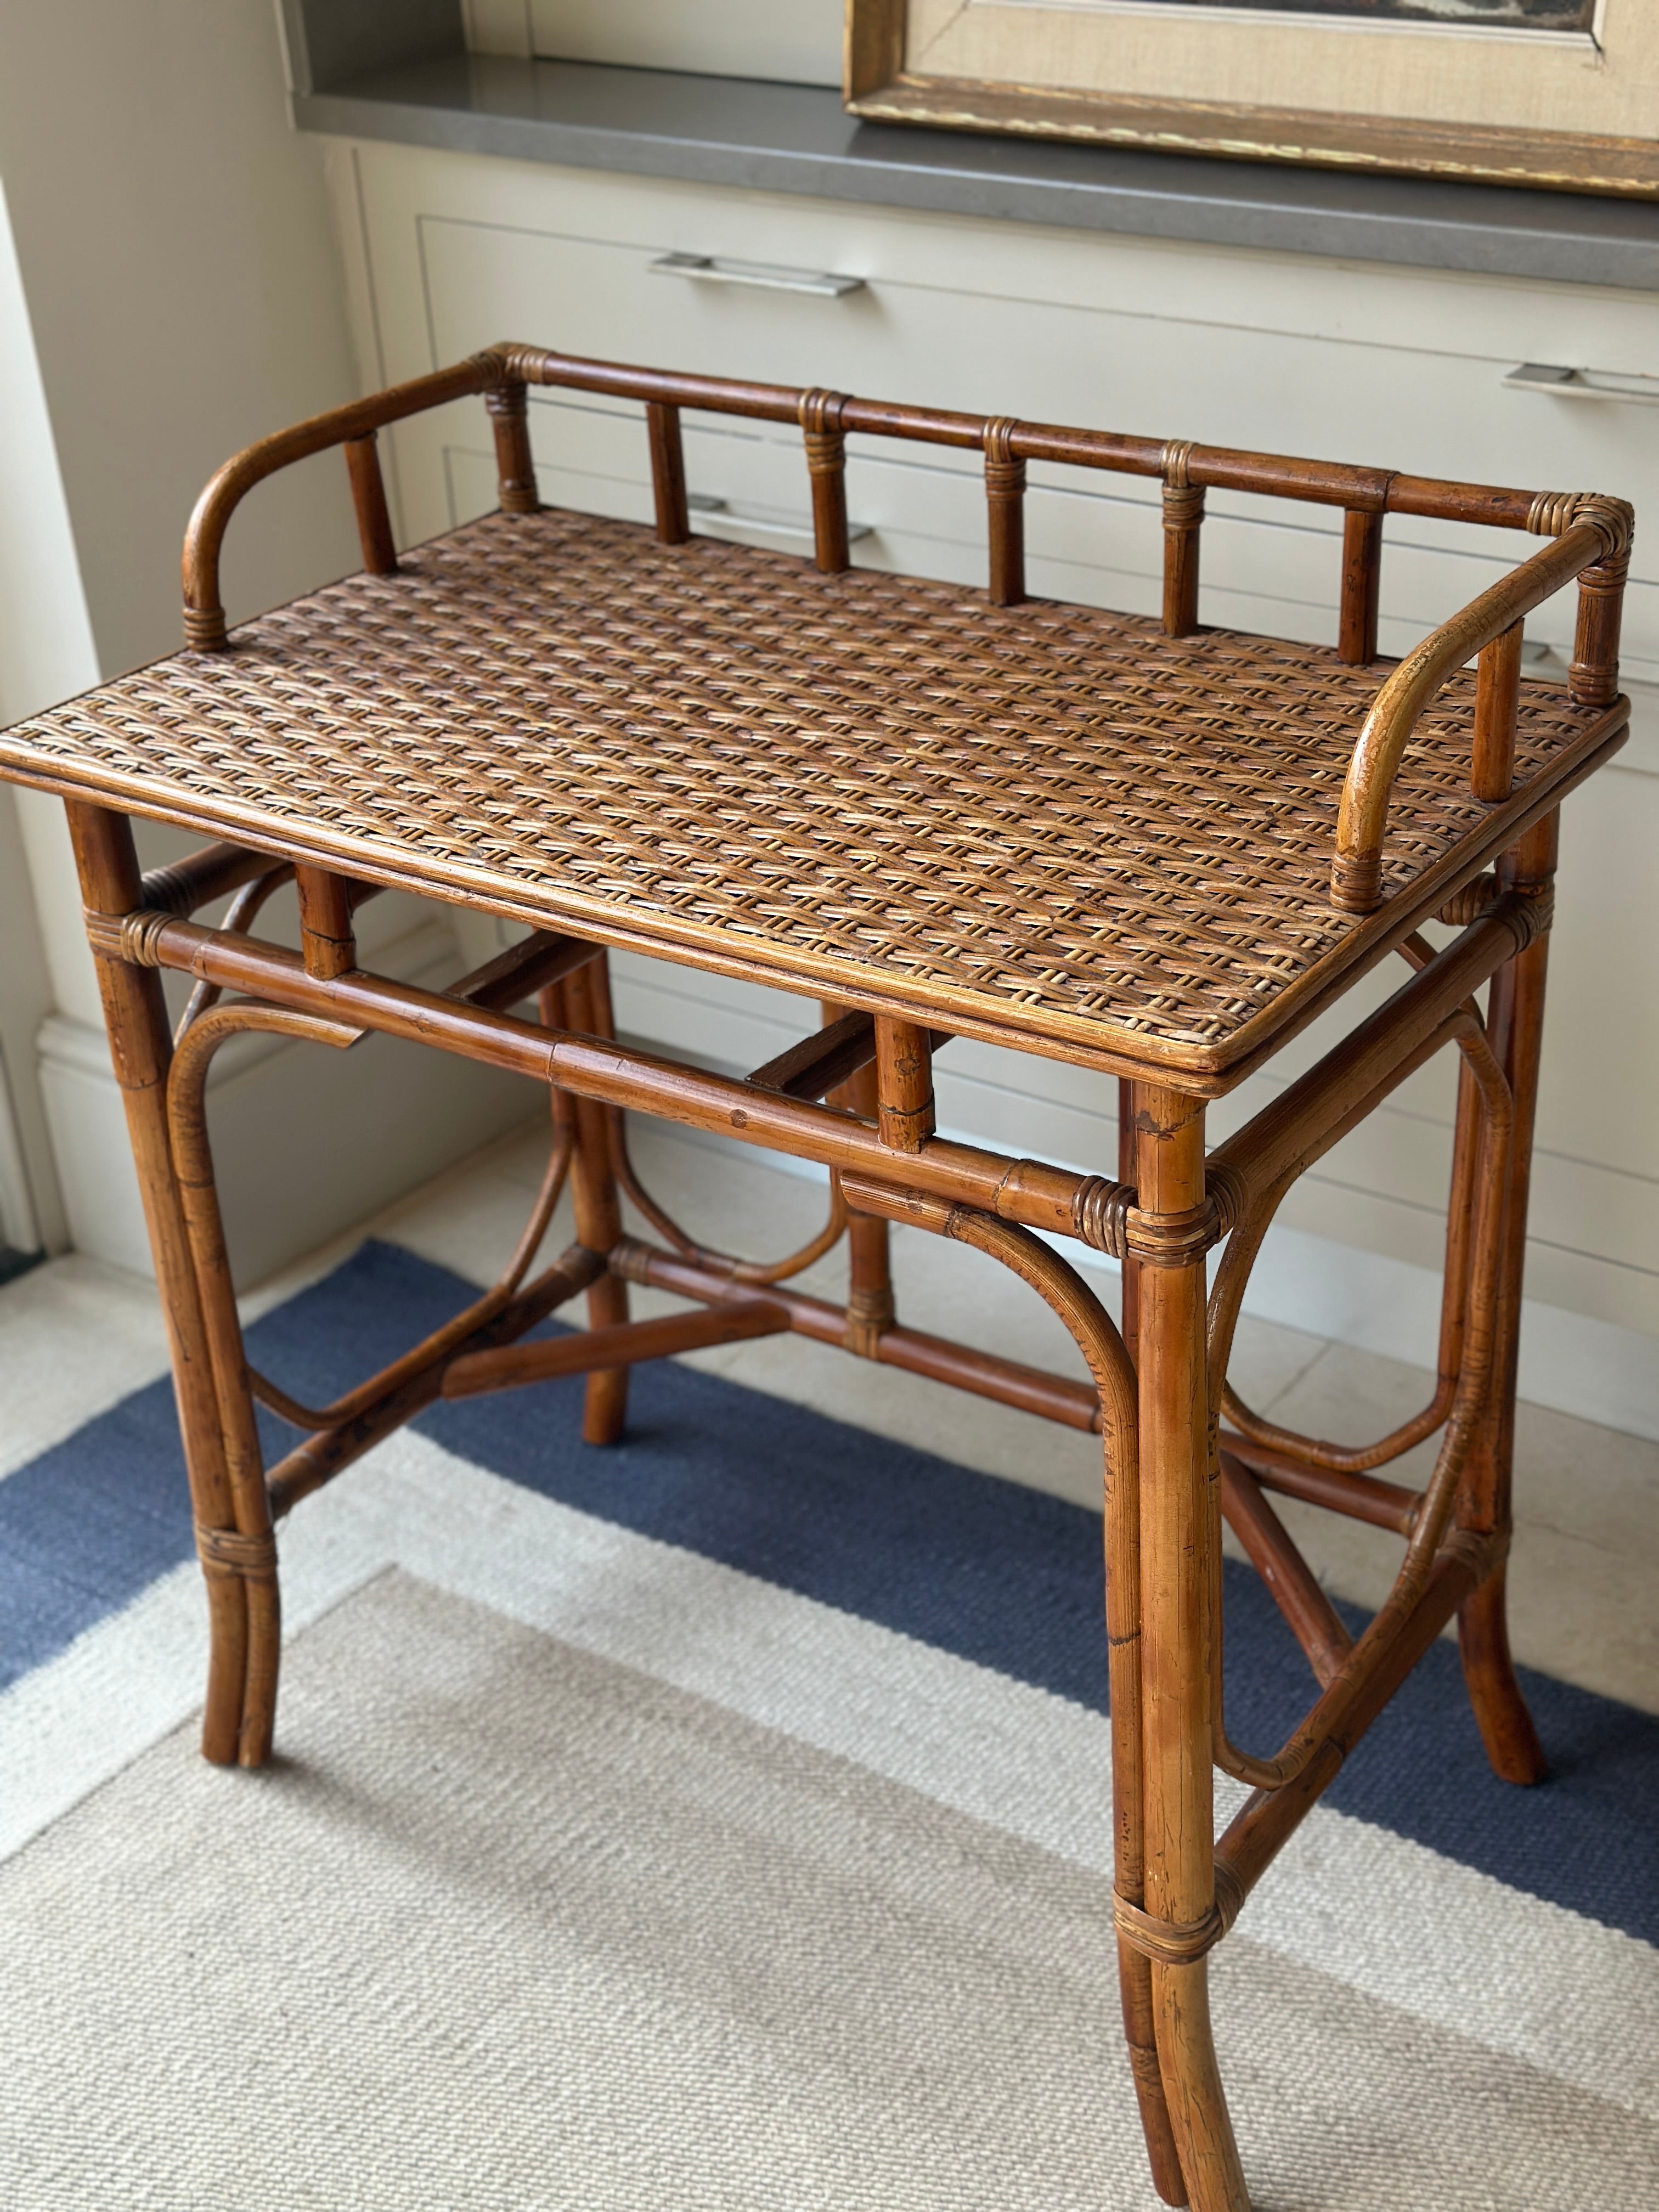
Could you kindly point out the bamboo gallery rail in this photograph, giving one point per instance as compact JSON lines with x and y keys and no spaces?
{"x":1447,"y":810}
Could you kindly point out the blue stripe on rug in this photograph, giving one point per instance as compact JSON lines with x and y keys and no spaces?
{"x":996,"y":1573}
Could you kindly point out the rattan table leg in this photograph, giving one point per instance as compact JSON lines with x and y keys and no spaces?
{"x":1103,"y":1347}
{"x":584,"y":1004}
{"x":871,"y":1311}
{"x":1515,"y":1026}
{"x":141,"y":1047}
{"x":1125,"y":1175}
{"x":248,"y":1549}
{"x":1179,"y":1559}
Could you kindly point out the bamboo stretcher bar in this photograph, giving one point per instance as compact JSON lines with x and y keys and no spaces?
{"x":1027,"y":1191}
{"x":213,"y":871}
{"x":731,"y":1321}
{"x":413,"y":1382}
{"x":1360,"y":1497}
{"x":442,"y":1342}
{"x":1269,"y":1818}
{"x":984,"y":1374}
{"x":830,"y":1055}
{"x":210,"y":872}
{"x":538,"y":960}
{"x":1290,"y":1581}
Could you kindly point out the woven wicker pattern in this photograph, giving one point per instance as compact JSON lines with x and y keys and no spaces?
{"x":1055,"y":813}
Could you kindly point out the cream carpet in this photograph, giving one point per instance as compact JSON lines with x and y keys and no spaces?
{"x":515,"y":1925}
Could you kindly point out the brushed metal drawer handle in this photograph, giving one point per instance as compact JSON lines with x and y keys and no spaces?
{"x":712,"y":508}
{"x":764,"y":275}
{"x":1583,"y":384}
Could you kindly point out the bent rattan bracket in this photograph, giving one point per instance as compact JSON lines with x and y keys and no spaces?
{"x":1594,"y":547}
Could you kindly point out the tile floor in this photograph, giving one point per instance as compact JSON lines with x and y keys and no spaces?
{"x":74,"y":1337}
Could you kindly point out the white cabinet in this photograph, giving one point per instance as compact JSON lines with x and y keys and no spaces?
{"x":1402,"y":369}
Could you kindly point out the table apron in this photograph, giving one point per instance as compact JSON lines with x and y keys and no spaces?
{"x":1030,"y":1192}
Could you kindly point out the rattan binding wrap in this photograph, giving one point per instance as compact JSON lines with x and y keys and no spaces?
{"x":228,"y":1551}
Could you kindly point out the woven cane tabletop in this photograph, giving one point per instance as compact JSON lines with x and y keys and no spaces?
{"x":1049,"y":820}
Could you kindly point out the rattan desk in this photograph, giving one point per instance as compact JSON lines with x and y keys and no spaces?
{"x":1158,"y":851}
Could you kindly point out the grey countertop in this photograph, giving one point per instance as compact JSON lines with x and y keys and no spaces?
{"x":798,"y":138}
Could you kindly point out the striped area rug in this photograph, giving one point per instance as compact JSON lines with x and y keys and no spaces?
{"x":723,"y":1820}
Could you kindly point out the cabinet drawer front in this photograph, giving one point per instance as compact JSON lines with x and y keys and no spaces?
{"x":1268,"y":566}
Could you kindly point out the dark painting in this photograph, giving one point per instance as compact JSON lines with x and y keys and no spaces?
{"x":1494,"y":14}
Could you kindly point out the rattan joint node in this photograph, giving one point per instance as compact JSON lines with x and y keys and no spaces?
{"x":1173,"y":464}
{"x":510,"y":400}
{"x":1004,"y":474}
{"x":1173,"y":1240}
{"x":1184,"y":505}
{"x":1551,"y":512}
{"x":137,"y":937}
{"x":228,"y":1551}
{"x":1468,"y":904}
{"x":1531,"y":911}
{"x":820,"y":413}
{"x":1168,"y":1942}
{"x":172,"y":887}
{"x":506,"y":363}
{"x":1227,"y":1193}
{"x":1100,"y":1213}
{"x":870,"y":1314}
{"x":630,"y":1259}
{"x":104,"y":933}
{"x":1614,"y":518}
{"x":205,"y":630}
{"x":1229,"y":1895}
{"x":1357,"y":882}
{"x":1177,"y":1240}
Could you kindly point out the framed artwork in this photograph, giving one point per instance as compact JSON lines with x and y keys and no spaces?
{"x":1563,"y":94}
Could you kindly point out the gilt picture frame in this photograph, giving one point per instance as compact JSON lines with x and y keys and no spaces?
{"x":1555,"y":94}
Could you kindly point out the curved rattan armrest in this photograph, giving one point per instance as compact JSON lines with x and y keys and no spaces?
{"x":1599,"y":532}
{"x":205,"y":618}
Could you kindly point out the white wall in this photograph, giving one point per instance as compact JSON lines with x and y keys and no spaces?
{"x":170,"y":290}
{"x":792,"y":41}
{"x":46,"y":652}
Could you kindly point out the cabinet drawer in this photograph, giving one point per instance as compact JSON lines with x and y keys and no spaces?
{"x":1042,"y":332}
